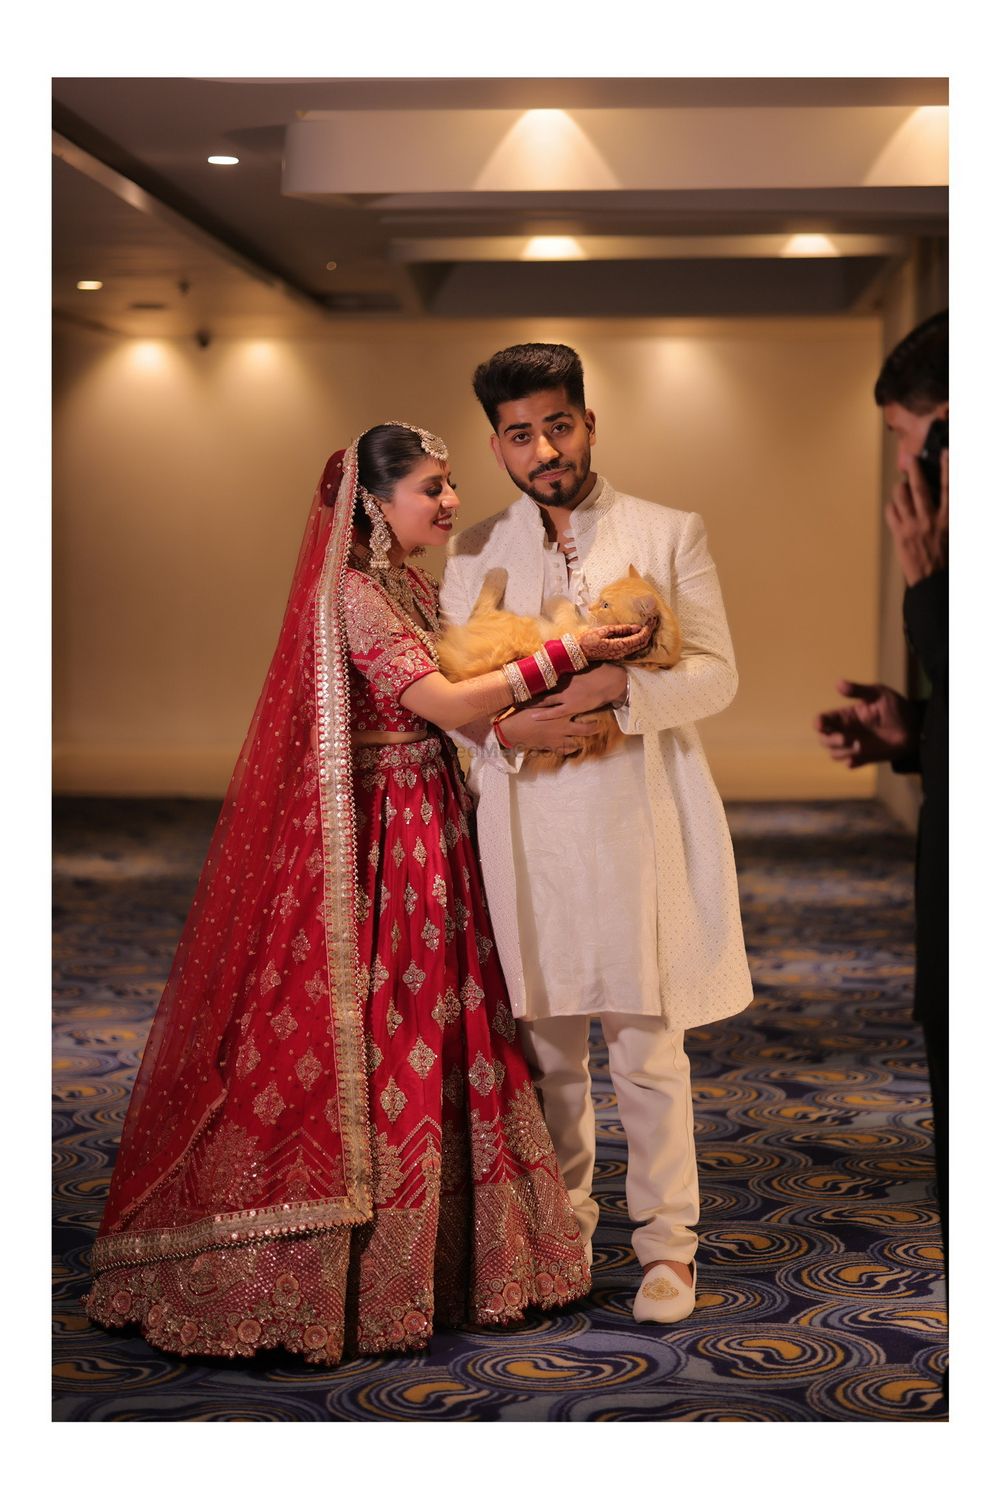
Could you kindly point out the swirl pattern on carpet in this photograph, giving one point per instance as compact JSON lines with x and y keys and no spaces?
{"x":820,"y":1290}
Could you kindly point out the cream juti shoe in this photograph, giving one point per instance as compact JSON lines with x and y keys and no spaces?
{"x":663,"y":1297}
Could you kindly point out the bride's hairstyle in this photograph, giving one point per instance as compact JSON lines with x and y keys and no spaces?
{"x":386,"y":454}
{"x":511,"y":374}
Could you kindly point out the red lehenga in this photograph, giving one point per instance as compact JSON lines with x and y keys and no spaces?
{"x":333,"y":1141}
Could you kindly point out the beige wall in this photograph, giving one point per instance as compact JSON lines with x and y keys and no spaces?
{"x":182,"y":479}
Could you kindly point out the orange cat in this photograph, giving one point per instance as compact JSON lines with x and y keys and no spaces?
{"x":494,"y":635}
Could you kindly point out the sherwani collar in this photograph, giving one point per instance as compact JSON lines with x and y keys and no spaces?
{"x":585,"y":517}
{"x":526,"y":587}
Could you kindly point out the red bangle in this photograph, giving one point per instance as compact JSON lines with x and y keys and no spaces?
{"x":496,"y":730}
{"x":532,"y":674}
{"x":559,"y":657}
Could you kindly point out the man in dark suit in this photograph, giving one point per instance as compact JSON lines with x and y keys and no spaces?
{"x":911,"y":733}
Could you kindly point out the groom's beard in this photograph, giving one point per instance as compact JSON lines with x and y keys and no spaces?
{"x":564,"y":491}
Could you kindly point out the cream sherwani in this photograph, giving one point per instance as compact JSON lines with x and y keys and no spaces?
{"x":611,"y":884}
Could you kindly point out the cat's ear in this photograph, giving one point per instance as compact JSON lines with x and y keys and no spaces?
{"x":633,"y":572}
{"x":647,"y":606}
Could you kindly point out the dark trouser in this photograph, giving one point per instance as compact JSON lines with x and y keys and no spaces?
{"x":936,"y":1042}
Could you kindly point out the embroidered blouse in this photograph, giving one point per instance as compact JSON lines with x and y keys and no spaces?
{"x":387,"y":655}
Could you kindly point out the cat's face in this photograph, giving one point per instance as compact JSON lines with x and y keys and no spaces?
{"x":628,"y":601}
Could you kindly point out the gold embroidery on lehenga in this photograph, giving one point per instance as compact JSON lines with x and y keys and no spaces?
{"x":439,"y":890}
{"x":373,"y":1055}
{"x":420,"y":852}
{"x":393,"y":1100}
{"x":426,"y":811}
{"x":268,"y":1105}
{"x":503,"y":1023}
{"x":301,"y":946}
{"x":397,"y":853}
{"x":393,"y":1020}
{"x":431,"y":935}
{"x":409,"y":899}
{"x":284,"y":1023}
{"x":388,"y":1169}
{"x":315,"y":988}
{"x":472,"y":994}
{"x":270,"y":979}
{"x":421,"y":1058}
{"x":446,"y":1008}
{"x":482,"y":1076}
{"x":524,"y":1127}
{"x":247,"y":1058}
{"x":379,"y":974}
{"x":414,"y":977}
{"x":485,"y":1145}
{"x":308,"y":1069}
{"x":222,"y":1164}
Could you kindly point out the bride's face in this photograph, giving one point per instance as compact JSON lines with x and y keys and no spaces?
{"x":422,"y":506}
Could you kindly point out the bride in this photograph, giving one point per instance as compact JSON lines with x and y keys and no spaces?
{"x":333,"y":1142}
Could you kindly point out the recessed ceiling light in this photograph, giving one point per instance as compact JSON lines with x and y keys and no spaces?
{"x":224,"y":161}
{"x":89,"y":286}
{"x":331,"y":265}
{"x":806,"y":245}
{"x":552,"y":247}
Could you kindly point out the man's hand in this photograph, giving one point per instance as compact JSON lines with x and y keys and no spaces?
{"x":879,"y":725}
{"x":594,"y":688}
{"x":563,"y":734}
{"x":920,"y":532}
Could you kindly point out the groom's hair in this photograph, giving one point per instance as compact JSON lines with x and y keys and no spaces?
{"x":915,"y":374}
{"x":511,"y":374}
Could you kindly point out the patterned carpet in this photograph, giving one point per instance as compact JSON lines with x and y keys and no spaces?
{"x":820,"y":1289}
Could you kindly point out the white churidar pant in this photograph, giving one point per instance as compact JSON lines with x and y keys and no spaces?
{"x":651,"y":1077}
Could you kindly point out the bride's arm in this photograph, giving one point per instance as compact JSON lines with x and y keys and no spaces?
{"x":449,"y":705}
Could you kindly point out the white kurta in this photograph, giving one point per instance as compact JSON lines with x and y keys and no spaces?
{"x":585,"y":867}
{"x":699,"y":953}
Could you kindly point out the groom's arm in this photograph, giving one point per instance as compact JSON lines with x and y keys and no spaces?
{"x":704,"y":680}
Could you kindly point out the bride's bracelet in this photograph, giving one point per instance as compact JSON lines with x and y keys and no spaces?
{"x":532,"y":675}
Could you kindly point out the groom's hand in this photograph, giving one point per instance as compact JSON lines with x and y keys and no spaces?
{"x":561,"y":733}
{"x":595,"y":688}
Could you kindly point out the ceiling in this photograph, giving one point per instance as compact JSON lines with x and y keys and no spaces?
{"x":485,"y":197}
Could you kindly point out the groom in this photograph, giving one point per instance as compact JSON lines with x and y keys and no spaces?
{"x":610,"y":881}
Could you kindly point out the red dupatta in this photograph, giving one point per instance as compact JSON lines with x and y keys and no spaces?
{"x":249,"y":1113}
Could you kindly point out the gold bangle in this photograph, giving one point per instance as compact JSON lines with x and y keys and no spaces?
{"x":515,"y":681}
{"x":575,"y":651}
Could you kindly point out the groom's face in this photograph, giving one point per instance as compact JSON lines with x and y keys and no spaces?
{"x":544,"y":444}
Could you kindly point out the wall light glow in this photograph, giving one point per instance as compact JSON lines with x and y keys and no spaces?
{"x":223,"y":161}
{"x":89,"y":286}
{"x":148,"y":355}
{"x":553,"y":247}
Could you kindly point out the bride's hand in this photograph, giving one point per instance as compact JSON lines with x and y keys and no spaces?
{"x":615,"y":642}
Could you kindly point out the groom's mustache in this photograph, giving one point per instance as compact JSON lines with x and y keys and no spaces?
{"x":547,"y":468}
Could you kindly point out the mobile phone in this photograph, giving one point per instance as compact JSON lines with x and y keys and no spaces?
{"x":929,"y":458}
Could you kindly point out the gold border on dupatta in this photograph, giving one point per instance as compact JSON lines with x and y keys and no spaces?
{"x":337,"y":815}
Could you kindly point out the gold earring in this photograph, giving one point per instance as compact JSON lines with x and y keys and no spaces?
{"x":381,"y":538}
